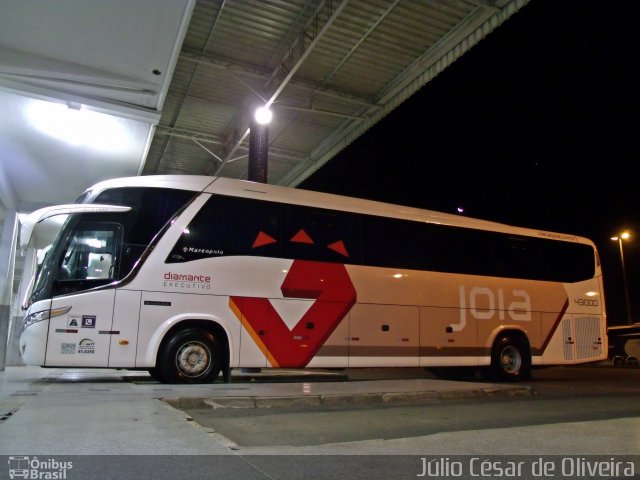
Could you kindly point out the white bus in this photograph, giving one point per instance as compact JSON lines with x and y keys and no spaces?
{"x":188,"y":276}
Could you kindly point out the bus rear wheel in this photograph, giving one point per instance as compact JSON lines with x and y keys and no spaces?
{"x":510,"y":359}
{"x":453,"y":373}
{"x":190,"y":356}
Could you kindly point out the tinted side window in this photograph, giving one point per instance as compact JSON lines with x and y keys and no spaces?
{"x":390,"y":242}
{"x":239,"y":226}
{"x":230,"y":226}
{"x":322,"y":235}
{"x":151,"y":209}
{"x":395,"y":243}
{"x":479,"y":252}
{"x":567,"y":262}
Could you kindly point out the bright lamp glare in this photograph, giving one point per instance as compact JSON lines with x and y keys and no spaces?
{"x":78,"y":126}
{"x":263,"y":116}
{"x":95,"y":243}
{"x":622,"y":236}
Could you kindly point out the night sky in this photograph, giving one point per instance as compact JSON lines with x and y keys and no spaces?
{"x":536,"y":126}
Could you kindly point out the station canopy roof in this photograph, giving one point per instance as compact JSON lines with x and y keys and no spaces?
{"x":182,"y":78}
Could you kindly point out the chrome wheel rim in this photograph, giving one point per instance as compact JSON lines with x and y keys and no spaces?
{"x":193,"y":359}
{"x":511,"y":360}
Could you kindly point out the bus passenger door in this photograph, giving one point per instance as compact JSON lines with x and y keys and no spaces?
{"x":87,"y":266}
{"x":80,"y":337}
{"x":124,"y":329}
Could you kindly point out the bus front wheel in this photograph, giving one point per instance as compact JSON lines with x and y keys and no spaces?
{"x":190,"y":356}
{"x":510,"y":359}
{"x":156,"y":374}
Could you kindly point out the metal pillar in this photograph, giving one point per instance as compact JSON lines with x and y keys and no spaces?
{"x":258,"y":152}
{"x":7,"y":263}
{"x":626,"y":286}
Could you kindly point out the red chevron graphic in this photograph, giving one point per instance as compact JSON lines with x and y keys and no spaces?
{"x":328,"y":283}
{"x":301,"y":237}
{"x":338,"y":247}
{"x":263,"y":239}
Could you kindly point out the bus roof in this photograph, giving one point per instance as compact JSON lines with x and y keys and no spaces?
{"x":195,"y":183}
{"x":275,"y":193}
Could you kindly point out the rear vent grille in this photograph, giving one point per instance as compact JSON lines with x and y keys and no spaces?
{"x":568,"y":339}
{"x":588,"y":338}
{"x":582,"y":338}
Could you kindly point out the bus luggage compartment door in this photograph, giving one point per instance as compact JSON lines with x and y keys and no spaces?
{"x":384,"y":335}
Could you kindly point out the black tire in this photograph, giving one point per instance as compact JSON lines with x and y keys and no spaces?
{"x":453,"y":373}
{"x":618,"y":361}
{"x":190,"y":356}
{"x":510,"y":360}
{"x":156,"y":374}
{"x":632,"y":361}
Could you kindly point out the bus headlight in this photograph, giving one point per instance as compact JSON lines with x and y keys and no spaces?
{"x":36,"y":317}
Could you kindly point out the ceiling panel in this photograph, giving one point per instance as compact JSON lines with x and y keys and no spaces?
{"x":82,"y":84}
{"x":182,"y":76}
{"x":331,"y":70}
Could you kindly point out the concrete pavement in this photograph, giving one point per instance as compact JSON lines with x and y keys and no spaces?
{"x":115,"y":412}
{"x":112,"y":412}
{"x":92,"y":411}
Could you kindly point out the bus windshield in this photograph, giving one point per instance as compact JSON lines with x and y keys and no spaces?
{"x":82,"y":255}
{"x":44,"y":236}
{"x":95,"y":247}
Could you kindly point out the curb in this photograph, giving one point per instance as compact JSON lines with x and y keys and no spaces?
{"x":343,"y":399}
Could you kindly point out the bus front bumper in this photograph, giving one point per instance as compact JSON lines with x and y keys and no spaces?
{"x":33,"y":344}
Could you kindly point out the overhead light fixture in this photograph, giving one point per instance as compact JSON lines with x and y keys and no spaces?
{"x":263,"y":115}
{"x":79,"y":126}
